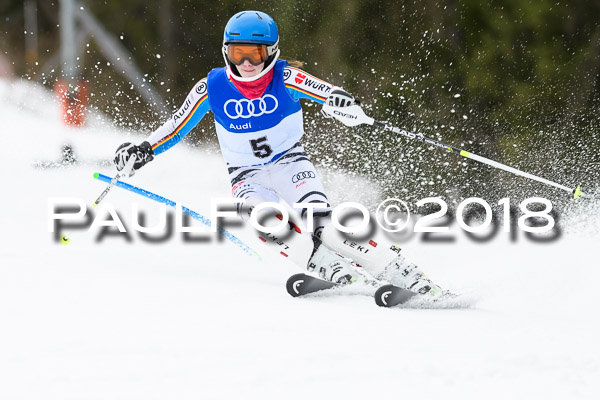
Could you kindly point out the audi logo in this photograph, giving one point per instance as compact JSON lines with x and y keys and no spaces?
{"x":246,"y":108}
{"x":303,"y":175}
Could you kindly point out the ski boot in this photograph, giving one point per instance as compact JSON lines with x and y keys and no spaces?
{"x":408,"y":276}
{"x":333,"y":267}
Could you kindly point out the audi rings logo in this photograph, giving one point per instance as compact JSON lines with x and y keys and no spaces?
{"x":245,"y":108}
{"x":303,"y":175}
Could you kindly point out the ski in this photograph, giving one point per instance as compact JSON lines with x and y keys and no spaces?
{"x":390,"y":296}
{"x":385,"y":296}
{"x":301,"y":284}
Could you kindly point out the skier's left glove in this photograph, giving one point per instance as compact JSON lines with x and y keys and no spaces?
{"x":339,"y":98}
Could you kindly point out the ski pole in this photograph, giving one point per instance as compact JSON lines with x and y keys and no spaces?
{"x":354,"y":115}
{"x":124,"y":173}
{"x":199,"y":217}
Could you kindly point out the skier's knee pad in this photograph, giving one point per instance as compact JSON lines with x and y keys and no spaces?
{"x":253,"y":194}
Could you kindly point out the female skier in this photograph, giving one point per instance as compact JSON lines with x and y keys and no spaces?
{"x":258,"y":119}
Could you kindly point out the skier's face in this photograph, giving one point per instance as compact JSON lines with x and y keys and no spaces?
{"x":247,"y":70}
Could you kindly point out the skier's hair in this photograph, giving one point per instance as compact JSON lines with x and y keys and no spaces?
{"x":296,"y":63}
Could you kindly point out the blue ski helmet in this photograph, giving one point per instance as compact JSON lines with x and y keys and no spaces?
{"x":252,"y":27}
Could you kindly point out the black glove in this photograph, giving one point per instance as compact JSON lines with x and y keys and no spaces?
{"x":143,"y":154}
{"x":339,"y":98}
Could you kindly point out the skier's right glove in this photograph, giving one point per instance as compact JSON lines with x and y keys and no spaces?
{"x":143,"y":155}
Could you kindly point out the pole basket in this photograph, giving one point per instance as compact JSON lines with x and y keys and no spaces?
{"x":73,"y":101}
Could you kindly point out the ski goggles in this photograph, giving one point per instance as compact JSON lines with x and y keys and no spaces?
{"x":255,"y":53}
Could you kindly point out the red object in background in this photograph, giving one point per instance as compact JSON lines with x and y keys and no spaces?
{"x":73,"y":102}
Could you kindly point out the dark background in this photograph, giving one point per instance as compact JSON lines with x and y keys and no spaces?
{"x":515,"y":81}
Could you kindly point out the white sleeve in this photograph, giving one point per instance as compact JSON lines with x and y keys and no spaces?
{"x":183,"y":121}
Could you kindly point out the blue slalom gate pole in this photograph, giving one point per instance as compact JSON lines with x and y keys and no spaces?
{"x":199,"y":217}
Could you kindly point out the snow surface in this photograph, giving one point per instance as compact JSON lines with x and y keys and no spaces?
{"x":133,"y":320}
